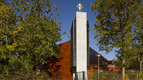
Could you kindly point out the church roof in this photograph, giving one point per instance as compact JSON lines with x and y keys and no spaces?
{"x":93,"y":55}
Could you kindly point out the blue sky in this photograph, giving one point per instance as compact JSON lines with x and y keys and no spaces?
{"x":67,"y":10}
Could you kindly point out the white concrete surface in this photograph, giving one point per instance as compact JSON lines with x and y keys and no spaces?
{"x":81,"y":42}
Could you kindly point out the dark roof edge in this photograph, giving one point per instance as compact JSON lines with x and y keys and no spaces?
{"x":64,"y":42}
{"x":101,"y":55}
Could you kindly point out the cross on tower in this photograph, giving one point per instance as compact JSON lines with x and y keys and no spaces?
{"x":79,"y":6}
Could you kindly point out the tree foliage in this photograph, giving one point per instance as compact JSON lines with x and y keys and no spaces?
{"x":134,"y":54}
{"x":115,"y":23}
{"x":115,"y":26}
{"x":31,"y":37}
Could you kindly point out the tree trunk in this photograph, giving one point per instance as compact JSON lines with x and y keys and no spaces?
{"x":123,"y":69}
{"x":141,"y":67}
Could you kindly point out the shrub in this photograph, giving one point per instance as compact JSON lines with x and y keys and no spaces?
{"x":108,"y":75}
{"x":36,"y":75}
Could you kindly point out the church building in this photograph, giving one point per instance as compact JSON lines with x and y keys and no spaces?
{"x":76,"y":57}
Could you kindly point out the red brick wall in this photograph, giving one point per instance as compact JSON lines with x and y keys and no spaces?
{"x":60,"y":68}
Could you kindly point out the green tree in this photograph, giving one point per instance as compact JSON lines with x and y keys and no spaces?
{"x":139,"y":43}
{"x":30,"y":41}
{"x":7,"y":22}
{"x":115,"y":24}
{"x":134,"y":55}
{"x":38,"y":31}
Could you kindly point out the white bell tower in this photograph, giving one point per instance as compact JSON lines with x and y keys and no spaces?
{"x":79,"y":45}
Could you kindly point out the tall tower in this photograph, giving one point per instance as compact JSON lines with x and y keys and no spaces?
{"x":79,"y":46}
